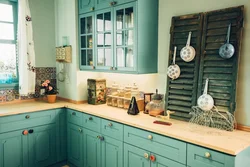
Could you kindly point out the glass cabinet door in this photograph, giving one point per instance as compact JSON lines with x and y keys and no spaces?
{"x":125,"y":38}
{"x":86,"y":42}
{"x":104,"y":40}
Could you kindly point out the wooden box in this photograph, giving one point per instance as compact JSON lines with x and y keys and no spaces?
{"x":64,"y":54}
{"x":96,"y":91}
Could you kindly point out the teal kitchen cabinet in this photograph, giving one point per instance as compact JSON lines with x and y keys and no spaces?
{"x":124,"y":38}
{"x":13,"y":149}
{"x":61,"y":134}
{"x":85,"y":6}
{"x":102,"y":4}
{"x":75,"y":144}
{"x":92,"y":148}
{"x":42,"y":145}
{"x":86,"y":38}
{"x":134,"y":156}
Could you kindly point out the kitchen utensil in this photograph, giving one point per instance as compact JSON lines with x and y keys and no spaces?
{"x":188,"y":52}
{"x":174,"y":70}
{"x":205,"y":101}
{"x":227,"y":50}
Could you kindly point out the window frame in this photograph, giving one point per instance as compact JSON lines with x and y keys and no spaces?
{"x":14,"y":4}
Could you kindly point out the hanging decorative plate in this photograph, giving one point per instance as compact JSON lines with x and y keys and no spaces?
{"x":205,"y":101}
{"x":174,"y":70}
{"x":188,"y":52}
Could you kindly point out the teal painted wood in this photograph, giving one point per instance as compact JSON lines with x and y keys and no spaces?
{"x":15,"y":122}
{"x":147,"y":37}
{"x":75,"y":117}
{"x":196,"y":158}
{"x":112,"y":152}
{"x":92,"y":149}
{"x":170,"y":148}
{"x":61,"y":134}
{"x":82,"y":31}
{"x":134,"y":157}
{"x":92,"y":122}
{"x":13,"y":149}
{"x":164,"y":162}
{"x":112,"y":129}
{"x":102,"y":4}
{"x":42,"y":145}
{"x":85,"y":6}
{"x":242,"y":159}
{"x":75,"y":144}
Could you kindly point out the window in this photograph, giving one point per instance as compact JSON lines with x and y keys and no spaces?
{"x":8,"y":37}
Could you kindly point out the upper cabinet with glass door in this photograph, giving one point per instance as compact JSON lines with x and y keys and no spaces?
{"x":86,"y":41}
{"x":125,"y":38}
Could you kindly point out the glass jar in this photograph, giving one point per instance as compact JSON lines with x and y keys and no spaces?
{"x":114,"y":102}
{"x":156,"y":106}
{"x":120,"y":102}
{"x":109,"y":101}
{"x":121,"y":91}
{"x":126,"y":103}
{"x":135,"y":92}
{"x":127,"y":91}
{"x":114,"y":89}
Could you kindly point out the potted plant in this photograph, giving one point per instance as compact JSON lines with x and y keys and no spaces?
{"x":49,"y":90}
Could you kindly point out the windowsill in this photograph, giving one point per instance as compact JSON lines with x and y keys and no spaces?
{"x":9,"y":86}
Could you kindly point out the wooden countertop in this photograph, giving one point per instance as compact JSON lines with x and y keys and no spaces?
{"x":228,"y":142}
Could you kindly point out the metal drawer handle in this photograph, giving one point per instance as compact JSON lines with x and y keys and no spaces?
{"x":31,"y":131}
{"x":80,"y":130}
{"x":25,"y":132}
{"x":150,"y":137}
{"x":110,"y":124}
{"x":90,"y":118}
{"x":27,"y":116}
{"x":207,"y":155}
{"x":146,"y":155}
{"x":92,"y":8}
{"x":73,"y":113}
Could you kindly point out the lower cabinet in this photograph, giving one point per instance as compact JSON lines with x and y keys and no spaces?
{"x":13,"y":152}
{"x":36,"y":148}
{"x":137,"y":157}
{"x":42,"y":145}
{"x":75,"y":144}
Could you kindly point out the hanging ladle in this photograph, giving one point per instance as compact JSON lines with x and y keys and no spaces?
{"x":174,"y":70}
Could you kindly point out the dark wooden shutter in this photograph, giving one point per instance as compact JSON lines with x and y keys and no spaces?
{"x":181,"y":93}
{"x":222,"y":73}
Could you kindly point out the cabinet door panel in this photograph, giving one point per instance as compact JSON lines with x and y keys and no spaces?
{"x":42,"y":145}
{"x":92,"y":149}
{"x":75,"y":140}
{"x":112,"y":152}
{"x":86,"y":6}
{"x":12,"y":150}
{"x":134,"y":157}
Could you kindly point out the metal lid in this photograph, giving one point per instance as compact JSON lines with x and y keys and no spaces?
{"x":156,"y":96}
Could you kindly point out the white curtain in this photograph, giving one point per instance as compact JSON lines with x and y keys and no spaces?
{"x":26,"y":52}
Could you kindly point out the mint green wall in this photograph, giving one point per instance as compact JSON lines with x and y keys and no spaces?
{"x":43,"y":19}
{"x":76,"y":88}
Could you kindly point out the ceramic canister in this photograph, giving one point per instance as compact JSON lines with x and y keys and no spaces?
{"x":174,"y":70}
{"x":205,"y":101}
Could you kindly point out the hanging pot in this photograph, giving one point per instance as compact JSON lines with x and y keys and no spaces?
{"x":188,"y":52}
{"x":174,"y":70}
{"x":205,"y":101}
{"x":227,"y":50}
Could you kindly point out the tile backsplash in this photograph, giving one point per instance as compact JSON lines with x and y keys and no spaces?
{"x":42,"y":74}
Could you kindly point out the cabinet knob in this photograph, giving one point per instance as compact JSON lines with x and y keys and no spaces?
{"x":207,"y":155}
{"x":31,"y":131}
{"x":27,"y":116}
{"x":111,"y":68}
{"x":93,"y":67}
{"x":146,"y":155}
{"x":112,"y":3}
{"x":80,"y":130}
{"x":150,"y":137}
{"x":110,"y":124}
{"x":73,"y":113}
{"x":92,"y":9}
{"x":90,"y":118}
{"x":25,"y":132}
{"x":152,"y":158}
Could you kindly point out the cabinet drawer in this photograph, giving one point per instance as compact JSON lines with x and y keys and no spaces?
{"x":169,"y":148}
{"x":112,"y":129}
{"x":199,"y":156}
{"x":91,"y":122}
{"x":15,"y":122}
{"x":75,"y":117}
